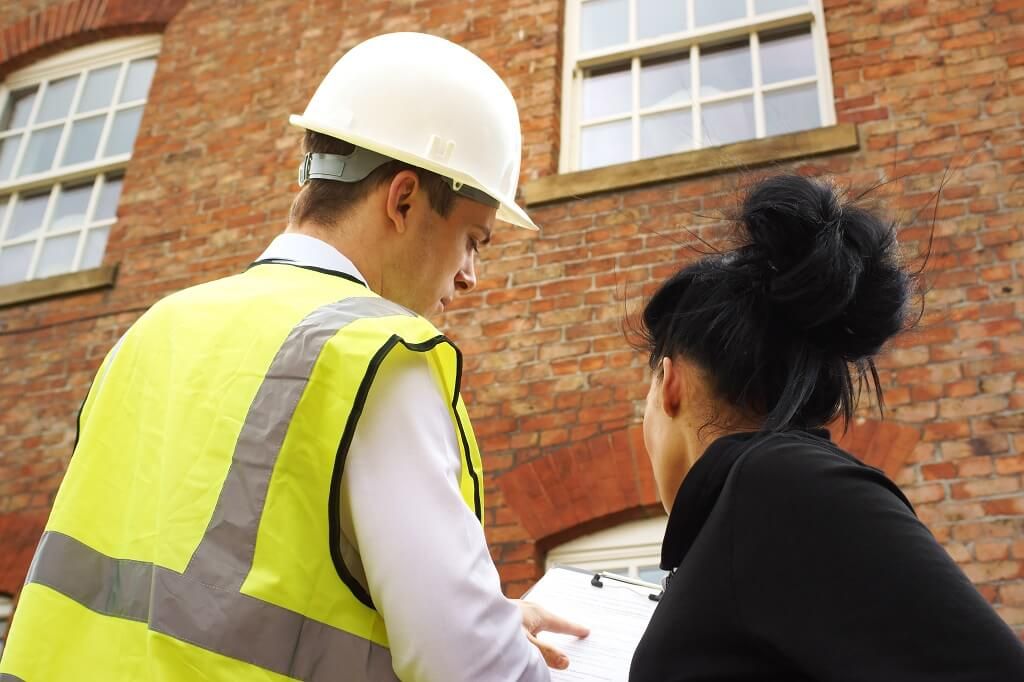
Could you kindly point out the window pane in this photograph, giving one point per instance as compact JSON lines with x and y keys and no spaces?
{"x":765,"y":6}
{"x":664,"y":81}
{"x":57,"y":100}
{"x":85,"y":138}
{"x":42,"y":145}
{"x":706,"y":12}
{"x":14,"y":262}
{"x":604,"y":23}
{"x":787,"y":56}
{"x":136,"y":83}
{"x":18,"y":109}
{"x":95,"y":246}
{"x":666,"y":133}
{"x":730,"y":121}
{"x":71,"y":207}
{"x":725,"y":69}
{"x":605,"y":144}
{"x":790,"y":110}
{"x":659,"y":17}
{"x":106,"y":206}
{"x":607,"y":92}
{"x":8,"y":151}
{"x":99,"y":88}
{"x":28,"y":215}
{"x":652,"y":574}
{"x":57,"y":255}
{"x":123,"y":131}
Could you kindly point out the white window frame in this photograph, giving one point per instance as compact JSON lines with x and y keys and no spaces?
{"x":71,"y":62}
{"x":6,"y":610}
{"x":688,"y":42}
{"x":628,"y":545}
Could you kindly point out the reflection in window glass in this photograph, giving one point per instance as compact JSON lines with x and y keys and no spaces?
{"x":95,"y":245}
{"x":99,"y":88}
{"x":765,"y":6}
{"x":786,"y":56}
{"x":729,"y":121}
{"x":725,"y":69}
{"x":57,"y":256}
{"x":138,"y":79}
{"x":707,"y":12}
{"x":84,"y":139}
{"x":106,"y":207}
{"x":57,"y":99}
{"x":42,"y":145}
{"x":123,"y":131}
{"x":14,"y":262}
{"x":71,"y":207}
{"x":664,"y":82}
{"x":19,"y":107}
{"x":604,"y":23}
{"x":659,"y":17}
{"x":27,"y":216}
{"x":666,"y":133}
{"x":607,"y":92}
{"x":8,"y":153}
{"x":792,"y":109}
{"x":605,"y":144}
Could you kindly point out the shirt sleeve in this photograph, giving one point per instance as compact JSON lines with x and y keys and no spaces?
{"x":836,"y":574}
{"x":427,"y":565}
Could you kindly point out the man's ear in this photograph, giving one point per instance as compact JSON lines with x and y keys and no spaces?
{"x":401,"y":190}
{"x":672,"y":385}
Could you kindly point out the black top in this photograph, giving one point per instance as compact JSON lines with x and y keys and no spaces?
{"x":798,"y":562}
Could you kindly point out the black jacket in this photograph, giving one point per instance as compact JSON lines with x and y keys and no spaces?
{"x":797,"y":562}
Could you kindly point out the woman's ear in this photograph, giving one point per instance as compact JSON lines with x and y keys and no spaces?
{"x":672,"y":386}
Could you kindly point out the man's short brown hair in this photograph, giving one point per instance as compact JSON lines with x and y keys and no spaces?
{"x":324,"y":202}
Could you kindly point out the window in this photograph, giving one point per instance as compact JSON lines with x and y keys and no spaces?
{"x":6,"y":606}
{"x":67,"y":127}
{"x":645,"y":78}
{"x":632,"y":549}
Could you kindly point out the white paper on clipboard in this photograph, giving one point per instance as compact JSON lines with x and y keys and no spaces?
{"x":616,"y":613}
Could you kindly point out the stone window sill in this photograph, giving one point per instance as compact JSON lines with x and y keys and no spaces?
{"x":59,"y":285}
{"x":740,"y":155}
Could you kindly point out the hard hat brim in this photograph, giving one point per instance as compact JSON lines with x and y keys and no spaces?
{"x":508,"y":210}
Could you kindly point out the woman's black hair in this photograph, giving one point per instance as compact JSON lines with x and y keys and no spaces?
{"x":782,"y":323}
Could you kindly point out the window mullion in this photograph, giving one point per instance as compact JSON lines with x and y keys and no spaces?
{"x":23,"y":147}
{"x":755,"y":56}
{"x":635,"y":101}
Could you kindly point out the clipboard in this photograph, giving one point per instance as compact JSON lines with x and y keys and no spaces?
{"x":617,"y":610}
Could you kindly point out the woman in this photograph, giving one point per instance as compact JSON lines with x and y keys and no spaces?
{"x":790,"y":559}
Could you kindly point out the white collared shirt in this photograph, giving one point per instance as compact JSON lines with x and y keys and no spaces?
{"x":426,"y":560}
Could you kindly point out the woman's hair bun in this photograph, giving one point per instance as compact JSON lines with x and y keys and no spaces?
{"x":828,"y":268}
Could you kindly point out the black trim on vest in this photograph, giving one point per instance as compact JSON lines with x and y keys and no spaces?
{"x":334,"y":503}
{"x":322,"y":271}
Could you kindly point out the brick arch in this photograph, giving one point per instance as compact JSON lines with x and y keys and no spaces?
{"x":76,"y":23}
{"x":581,"y":486}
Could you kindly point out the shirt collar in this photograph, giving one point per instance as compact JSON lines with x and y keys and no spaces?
{"x":306,"y":251}
{"x":701,"y":489}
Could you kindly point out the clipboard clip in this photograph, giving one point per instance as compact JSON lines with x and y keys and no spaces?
{"x":601,"y":575}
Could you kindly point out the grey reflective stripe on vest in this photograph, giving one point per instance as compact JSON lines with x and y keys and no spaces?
{"x":7,"y":677}
{"x":228,"y":623}
{"x":204,"y":605}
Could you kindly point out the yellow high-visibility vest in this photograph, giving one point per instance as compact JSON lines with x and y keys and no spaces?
{"x":196,"y":533}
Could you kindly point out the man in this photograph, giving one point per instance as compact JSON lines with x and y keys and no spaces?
{"x":276,"y":477}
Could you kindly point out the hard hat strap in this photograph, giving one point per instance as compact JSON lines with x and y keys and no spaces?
{"x":360,"y":163}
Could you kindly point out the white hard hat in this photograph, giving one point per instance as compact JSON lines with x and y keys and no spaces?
{"x":425,"y":101}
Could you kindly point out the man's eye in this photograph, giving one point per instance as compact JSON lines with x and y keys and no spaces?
{"x":474,"y":245}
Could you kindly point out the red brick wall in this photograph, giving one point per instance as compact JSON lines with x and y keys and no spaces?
{"x":933,"y":86}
